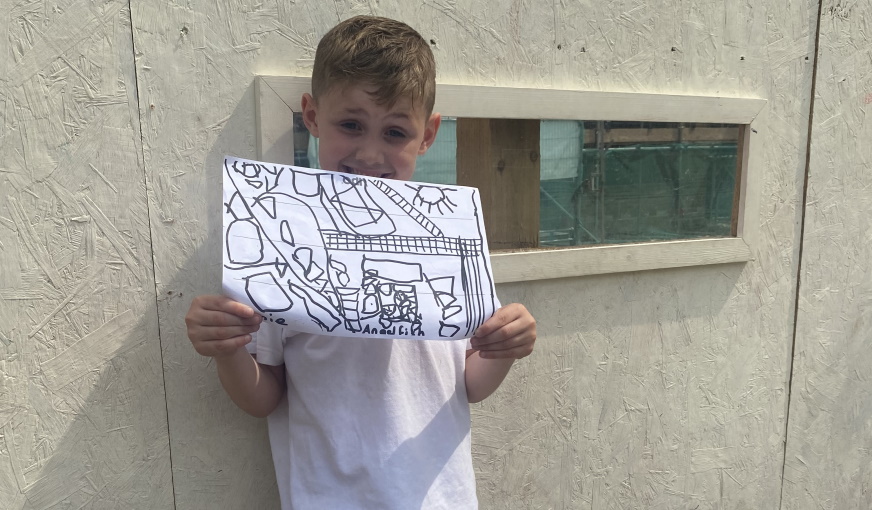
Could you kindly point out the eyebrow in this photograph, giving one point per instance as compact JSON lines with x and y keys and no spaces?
{"x":359,"y":111}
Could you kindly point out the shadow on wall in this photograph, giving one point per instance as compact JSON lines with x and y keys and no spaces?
{"x":87,"y":427}
{"x":221,"y":456}
{"x":106,"y":414}
{"x":113,"y":452}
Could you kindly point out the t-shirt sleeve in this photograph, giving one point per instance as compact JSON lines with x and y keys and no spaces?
{"x":268,"y":343}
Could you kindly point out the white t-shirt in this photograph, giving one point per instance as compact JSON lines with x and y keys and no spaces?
{"x":369,"y":423}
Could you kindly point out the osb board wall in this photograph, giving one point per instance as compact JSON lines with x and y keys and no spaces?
{"x":82,"y":408}
{"x":663,"y":388}
{"x":195,"y":69}
{"x":829,"y":442}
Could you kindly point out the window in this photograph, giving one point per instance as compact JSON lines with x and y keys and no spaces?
{"x":605,"y":182}
{"x":576,"y":182}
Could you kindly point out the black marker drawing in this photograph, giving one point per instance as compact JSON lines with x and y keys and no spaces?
{"x":339,"y":254}
{"x":433,"y":196}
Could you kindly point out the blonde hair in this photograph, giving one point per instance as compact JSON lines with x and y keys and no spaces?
{"x":386,"y":53}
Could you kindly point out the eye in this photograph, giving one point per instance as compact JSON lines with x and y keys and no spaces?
{"x":395,"y":133}
{"x":350,"y":125}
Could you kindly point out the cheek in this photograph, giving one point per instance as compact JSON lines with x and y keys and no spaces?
{"x":404,"y":163}
{"x":403,"y":157}
{"x":329,"y":151}
{"x":326,"y":159}
{"x":410,"y":151}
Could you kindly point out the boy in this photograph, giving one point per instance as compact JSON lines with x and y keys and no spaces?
{"x":359,"y":422}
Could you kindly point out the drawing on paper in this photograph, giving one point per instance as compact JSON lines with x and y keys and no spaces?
{"x":339,"y":254}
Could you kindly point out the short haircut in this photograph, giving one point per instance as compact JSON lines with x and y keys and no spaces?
{"x":386,"y":53}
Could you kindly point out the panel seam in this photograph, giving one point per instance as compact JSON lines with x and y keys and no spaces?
{"x":801,"y":240}
{"x":153,"y":264}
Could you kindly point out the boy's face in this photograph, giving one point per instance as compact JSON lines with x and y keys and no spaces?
{"x":358,"y":136}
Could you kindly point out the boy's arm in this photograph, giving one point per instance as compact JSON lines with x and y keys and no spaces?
{"x":505,"y":337}
{"x":219,"y":327}
{"x":256,"y":388}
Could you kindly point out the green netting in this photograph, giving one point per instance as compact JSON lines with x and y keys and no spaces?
{"x":641,"y":193}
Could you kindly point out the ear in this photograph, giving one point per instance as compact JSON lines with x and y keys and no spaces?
{"x":430,"y":130}
{"x":310,"y":113}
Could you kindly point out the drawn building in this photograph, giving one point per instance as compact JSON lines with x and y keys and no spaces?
{"x":357,"y":254}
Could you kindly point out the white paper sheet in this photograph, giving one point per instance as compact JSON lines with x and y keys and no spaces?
{"x":346,"y":255}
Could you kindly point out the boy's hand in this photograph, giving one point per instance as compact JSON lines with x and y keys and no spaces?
{"x":218,"y":326}
{"x":510,"y":333}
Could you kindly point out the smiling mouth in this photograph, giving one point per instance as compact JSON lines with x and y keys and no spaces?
{"x":366,"y":173}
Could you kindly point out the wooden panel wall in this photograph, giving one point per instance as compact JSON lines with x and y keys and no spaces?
{"x":195,"y":64}
{"x":82,"y":407}
{"x":654,"y":389}
{"x":828,"y":464}
{"x":663,"y":388}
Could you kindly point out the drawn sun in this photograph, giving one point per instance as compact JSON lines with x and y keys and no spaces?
{"x":433,"y":196}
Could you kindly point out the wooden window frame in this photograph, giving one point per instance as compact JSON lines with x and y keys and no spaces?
{"x":277,"y":97}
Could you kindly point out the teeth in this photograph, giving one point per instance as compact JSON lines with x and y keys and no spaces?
{"x":355,"y":171}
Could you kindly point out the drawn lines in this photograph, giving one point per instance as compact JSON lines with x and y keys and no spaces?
{"x":474,"y":300}
{"x":388,"y":294}
{"x":275,"y":217}
{"x":246,"y":223}
{"x":487,"y":284}
{"x":408,"y":208}
{"x":433,"y":196}
{"x":329,"y":322}
{"x":356,"y":206}
{"x":344,"y":241}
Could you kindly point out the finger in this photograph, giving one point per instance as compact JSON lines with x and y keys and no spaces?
{"x":210,"y":319}
{"x":212,"y":334}
{"x":506,"y":332}
{"x":225,"y":304}
{"x":221,"y":347}
{"x":515,"y":353}
{"x":507,"y":344}
{"x":523,"y":340}
{"x":500,"y":318}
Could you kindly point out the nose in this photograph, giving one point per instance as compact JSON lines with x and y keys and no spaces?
{"x":369,"y":153}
